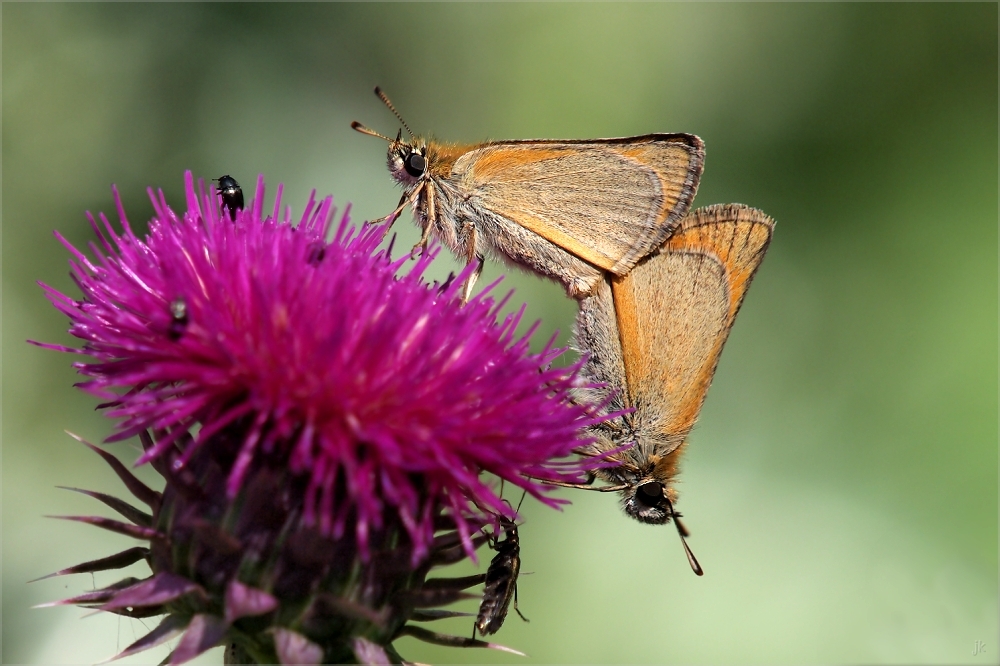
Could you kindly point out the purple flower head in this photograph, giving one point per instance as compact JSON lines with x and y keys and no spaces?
{"x":264,"y":343}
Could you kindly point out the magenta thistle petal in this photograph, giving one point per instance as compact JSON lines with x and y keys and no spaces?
{"x":169,"y":628}
{"x":155,"y":591}
{"x":204,"y":633}
{"x":243,"y":600}
{"x":294,"y":648}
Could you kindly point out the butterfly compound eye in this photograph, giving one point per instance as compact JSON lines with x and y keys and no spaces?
{"x":650,"y":494}
{"x":415,"y":164}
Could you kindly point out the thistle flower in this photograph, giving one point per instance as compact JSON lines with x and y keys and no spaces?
{"x":323,"y":418}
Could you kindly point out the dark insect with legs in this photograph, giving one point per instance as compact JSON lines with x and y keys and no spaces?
{"x":501,"y":582}
{"x":232,"y":194}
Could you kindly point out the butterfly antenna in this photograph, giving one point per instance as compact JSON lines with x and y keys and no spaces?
{"x":682,"y":532}
{"x":370,"y":132}
{"x":523,"y":493}
{"x":385,"y":100}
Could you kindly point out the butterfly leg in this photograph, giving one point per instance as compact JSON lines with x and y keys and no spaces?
{"x":473,"y":279}
{"x":589,"y":485}
{"x":399,"y":207}
{"x":429,"y":222}
{"x":451,"y":641}
{"x":404,"y":201}
{"x":516,"y":609}
{"x":471,"y":255}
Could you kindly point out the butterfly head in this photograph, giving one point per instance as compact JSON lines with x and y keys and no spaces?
{"x":649,"y":496}
{"x":647,"y":502}
{"x":407,"y":160}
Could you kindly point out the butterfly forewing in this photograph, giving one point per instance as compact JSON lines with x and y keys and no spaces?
{"x":736,"y":235}
{"x":609,"y":202}
{"x":675,"y":311}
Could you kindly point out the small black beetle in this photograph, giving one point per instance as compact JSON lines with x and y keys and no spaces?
{"x":232,"y":194}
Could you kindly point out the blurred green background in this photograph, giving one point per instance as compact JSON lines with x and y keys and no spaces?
{"x":841,"y":485}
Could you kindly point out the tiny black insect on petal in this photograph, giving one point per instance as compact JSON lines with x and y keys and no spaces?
{"x":316,"y":252}
{"x":447,"y":282}
{"x":178,"y":319}
{"x":232,"y":194}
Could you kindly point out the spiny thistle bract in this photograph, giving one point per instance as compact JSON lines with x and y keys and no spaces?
{"x":322,"y":418}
